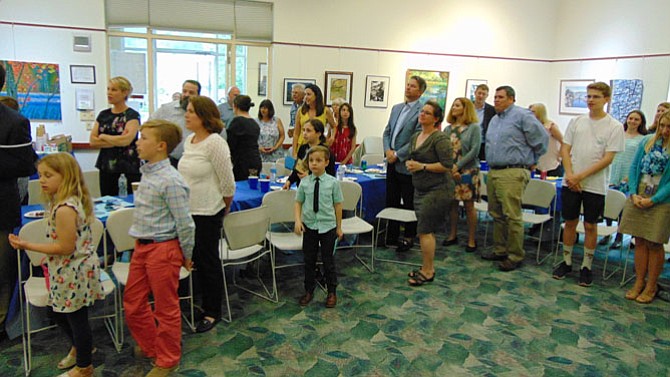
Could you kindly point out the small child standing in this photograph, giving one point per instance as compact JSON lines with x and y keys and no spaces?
{"x":165,"y":235}
{"x":74,"y":274}
{"x":320,"y":222}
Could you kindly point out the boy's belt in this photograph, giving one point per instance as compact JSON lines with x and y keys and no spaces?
{"x":147,"y":241}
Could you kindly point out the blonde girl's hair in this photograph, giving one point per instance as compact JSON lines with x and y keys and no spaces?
{"x":73,"y":182}
{"x":657,"y":135}
{"x":540,"y":111}
{"x":123,"y":84}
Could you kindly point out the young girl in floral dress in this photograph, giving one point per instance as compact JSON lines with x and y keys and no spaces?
{"x":74,"y":275}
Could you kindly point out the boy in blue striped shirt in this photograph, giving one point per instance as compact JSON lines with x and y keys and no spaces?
{"x":165,"y":235}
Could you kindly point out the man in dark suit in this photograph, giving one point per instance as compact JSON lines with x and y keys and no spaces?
{"x":485,"y":113}
{"x":402,"y":124}
{"x":17,"y":159}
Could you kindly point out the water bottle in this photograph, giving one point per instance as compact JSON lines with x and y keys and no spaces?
{"x":364,"y":165}
{"x":340,"y":172}
{"x":386,"y":165}
{"x":273,"y":173}
{"x":123,"y":186}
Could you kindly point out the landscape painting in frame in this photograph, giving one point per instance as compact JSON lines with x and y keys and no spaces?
{"x":626,"y":97}
{"x":572,"y":97}
{"x":36,"y":87}
{"x":436,"y":85}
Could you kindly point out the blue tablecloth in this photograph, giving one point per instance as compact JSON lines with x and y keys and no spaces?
{"x":374,"y":195}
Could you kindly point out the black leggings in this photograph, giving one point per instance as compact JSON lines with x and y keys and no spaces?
{"x":75,"y":325}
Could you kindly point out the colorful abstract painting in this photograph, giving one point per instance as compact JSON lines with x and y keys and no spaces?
{"x":436,"y":85}
{"x":626,"y":97}
{"x":36,"y":87}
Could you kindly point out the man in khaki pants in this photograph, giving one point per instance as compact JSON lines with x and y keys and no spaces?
{"x":515,"y":140}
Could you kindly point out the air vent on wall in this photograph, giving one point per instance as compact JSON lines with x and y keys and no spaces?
{"x":81,"y":43}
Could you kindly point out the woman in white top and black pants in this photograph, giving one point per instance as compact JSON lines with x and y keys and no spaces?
{"x":208,"y":169}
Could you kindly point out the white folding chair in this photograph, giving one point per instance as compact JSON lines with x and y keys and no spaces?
{"x":281,"y":168}
{"x":35,"y":192}
{"x":614,"y":203}
{"x":482,"y":206}
{"x":118,"y":225}
{"x":539,"y":194}
{"x":244,"y":242}
{"x":266,"y":168}
{"x":92,"y":180}
{"x":394,"y":214}
{"x":280,"y":205}
{"x":373,"y":144}
{"x":35,"y":293}
{"x":373,"y":158}
{"x":353,"y":201}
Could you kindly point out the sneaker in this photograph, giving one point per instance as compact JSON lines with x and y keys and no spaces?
{"x":562,"y":270}
{"x":585,"y":277}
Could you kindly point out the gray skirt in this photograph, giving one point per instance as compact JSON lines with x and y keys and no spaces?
{"x":652,"y":224}
{"x":430,"y":207}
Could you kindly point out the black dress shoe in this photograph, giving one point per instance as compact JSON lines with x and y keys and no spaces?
{"x":447,"y":242}
{"x":404,"y":246}
{"x":493,"y":256}
{"x":205,"y":325}
{"x":508,"y":265}
{"x":470,"y":249}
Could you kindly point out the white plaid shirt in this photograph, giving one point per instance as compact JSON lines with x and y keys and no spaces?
{"x":161,"y":207}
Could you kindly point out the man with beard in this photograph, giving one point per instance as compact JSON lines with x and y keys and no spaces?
{"x":174,"y":112}
{"x":226,"y":108}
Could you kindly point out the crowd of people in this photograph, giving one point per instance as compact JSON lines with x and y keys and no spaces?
{"x":190,"y":153}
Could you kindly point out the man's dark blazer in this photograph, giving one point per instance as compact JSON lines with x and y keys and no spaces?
{"x":489,"y":113}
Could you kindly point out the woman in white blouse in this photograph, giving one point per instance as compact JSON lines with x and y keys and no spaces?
{"x":208,"y":169}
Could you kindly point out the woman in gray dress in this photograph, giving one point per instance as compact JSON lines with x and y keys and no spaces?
{"x":430,"y":163}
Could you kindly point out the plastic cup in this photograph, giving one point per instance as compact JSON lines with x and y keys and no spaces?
{"x":265,"y":185}
{"x":253,"y":182}
{"x":337,"y":165}
{"x":135,"y":186}
{"x":543,"y":175}
{"x":483,"y":166}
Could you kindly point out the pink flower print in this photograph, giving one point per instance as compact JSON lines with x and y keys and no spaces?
{"x":60,"y":280}
{"x":54,"y":235}
{"x":71,"y":286}
{"x":66,"y":261}
{"x":86,"y":243}
{"x":68,"y":303}
{"x":463,"y":192}
{"x":90,"y":273}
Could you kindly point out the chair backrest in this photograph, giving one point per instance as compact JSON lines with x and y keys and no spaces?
{"x":373,"y":158}
{"x":92,"y":180}
{"x":246,"y":228}
{"x":539,"y":193}
{"x":614,"y":202}
{"x":356,"y":156}
{"x":35,"y":192}
{"x":373,"y":144}
{"x":118,"y":225}
{"x":280,"y":204}
{"x":36,"y":232}
{"x":352,"y":193}
{"x":281,"y":168}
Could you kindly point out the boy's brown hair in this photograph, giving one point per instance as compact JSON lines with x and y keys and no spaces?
{"x":166,"y":131}
{"x":602,"y":88}
{"x":318,"y":148}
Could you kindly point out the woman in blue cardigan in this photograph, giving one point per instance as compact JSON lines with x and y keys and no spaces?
{"x":646,"y":215}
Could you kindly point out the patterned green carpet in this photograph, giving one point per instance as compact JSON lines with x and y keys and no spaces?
{"x":472,"y":321}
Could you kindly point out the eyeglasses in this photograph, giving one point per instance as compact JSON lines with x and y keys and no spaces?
{"x":426,"y":112}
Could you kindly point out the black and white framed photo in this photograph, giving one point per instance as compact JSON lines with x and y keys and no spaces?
{"x":376,"y":91}
{"x":82,"y":74}
{"x":288,"y":86}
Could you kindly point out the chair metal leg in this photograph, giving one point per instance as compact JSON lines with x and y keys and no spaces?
{"x":625,"y":281}
{"x":393,"y":260}
{"x":539,"y":244}
{"x":605,"y":275}
{"x":190,"y":320}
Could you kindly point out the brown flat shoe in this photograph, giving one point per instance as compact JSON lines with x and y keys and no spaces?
{"x":79,"y":372}
{"x":306,"y":299}
{"x":646,"y":297}
{"x":632,"y":293}
{"x":331,"y":300}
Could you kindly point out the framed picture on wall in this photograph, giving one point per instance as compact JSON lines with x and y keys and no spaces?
{"x":338,"y":85}
{"x":82,"y":74}
{"x":436,"y":84}
{"x":572,"y":97}
{"x":470,"y":87}
{"x":262,"y":79}
{"x":288,"y":86}
{"x":376,"y":91}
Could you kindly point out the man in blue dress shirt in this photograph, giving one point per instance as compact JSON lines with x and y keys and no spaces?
{"x":515,"y":140}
